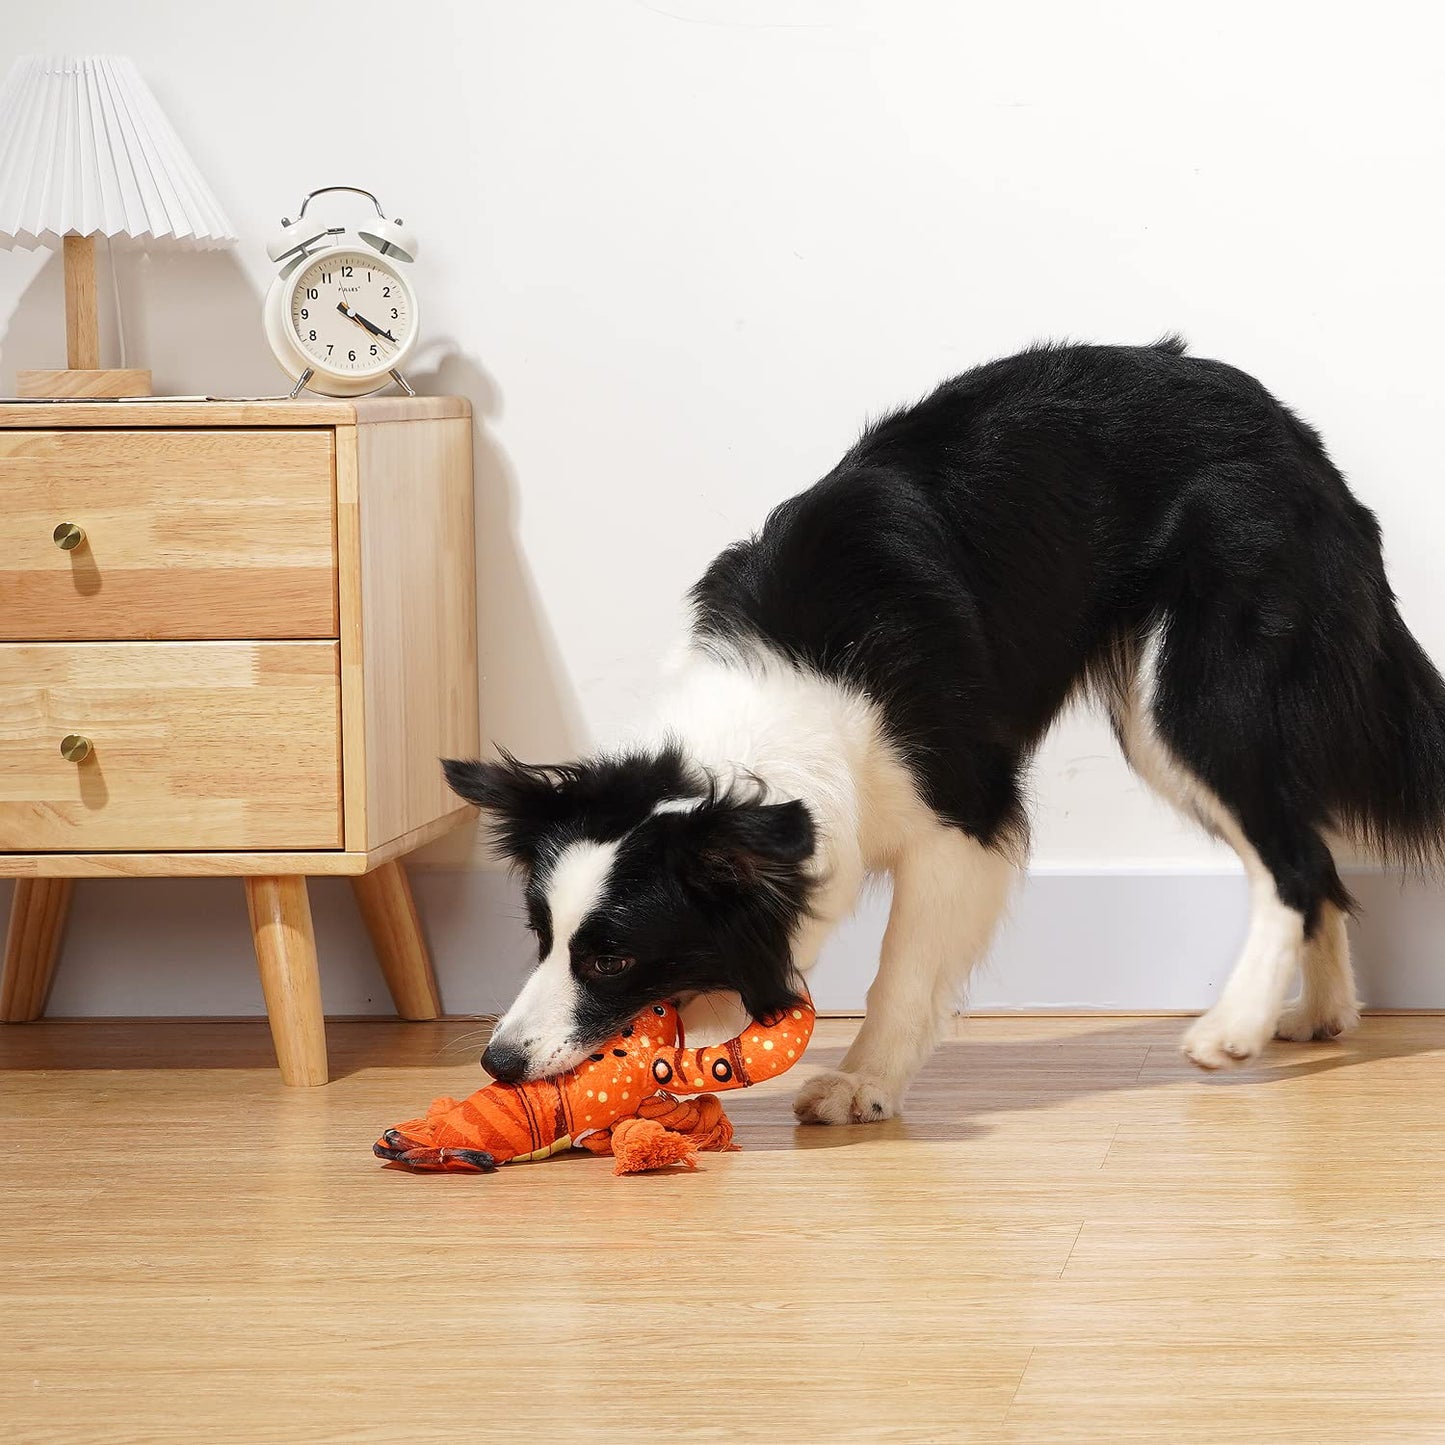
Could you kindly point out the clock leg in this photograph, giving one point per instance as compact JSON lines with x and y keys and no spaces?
{"x":32,"y":945}
{"x":286,"y":952}
{"x":389,"y":912}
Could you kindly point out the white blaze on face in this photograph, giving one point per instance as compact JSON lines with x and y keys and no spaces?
{"x":543,"y":1018}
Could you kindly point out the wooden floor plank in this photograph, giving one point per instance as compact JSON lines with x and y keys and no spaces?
{"x":1070,"y":1236}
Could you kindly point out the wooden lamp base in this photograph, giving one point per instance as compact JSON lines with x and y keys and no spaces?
{"x":131,"y":381}
{"x":84,"y":375}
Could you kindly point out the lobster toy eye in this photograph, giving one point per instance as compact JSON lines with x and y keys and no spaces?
{"x":607,"y":965}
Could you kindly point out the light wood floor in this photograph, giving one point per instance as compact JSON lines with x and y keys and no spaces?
{"x":1071,"y":1237}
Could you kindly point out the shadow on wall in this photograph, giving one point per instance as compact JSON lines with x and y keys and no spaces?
{"x":528,"y":702}
{"x":192,"y":317}
{"x":180,"y":947}
{"x":1395,"y":939}
{"x":35,"y":333}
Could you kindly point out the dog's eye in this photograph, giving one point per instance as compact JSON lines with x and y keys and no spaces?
{"x":607,"y":965}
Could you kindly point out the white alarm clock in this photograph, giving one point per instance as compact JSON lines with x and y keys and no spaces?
{"x":341,"y":316}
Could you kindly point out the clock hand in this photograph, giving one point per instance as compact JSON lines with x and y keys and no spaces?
{"x":361,"y":321}
{"x":353,"y":315}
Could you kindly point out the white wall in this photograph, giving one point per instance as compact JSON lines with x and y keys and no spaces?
{"x":675,"y":253}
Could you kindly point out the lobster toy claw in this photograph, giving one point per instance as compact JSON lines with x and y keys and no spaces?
{"x":620,"y":1100}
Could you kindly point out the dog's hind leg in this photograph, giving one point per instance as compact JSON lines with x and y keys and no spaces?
{"x":1241,"y":1023}
{"x":1327,"y":1006}
{"x":1295,"y":894}
{"x":948,"y":892}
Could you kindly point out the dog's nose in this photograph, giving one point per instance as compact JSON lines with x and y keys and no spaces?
{"x":505,"y":1062}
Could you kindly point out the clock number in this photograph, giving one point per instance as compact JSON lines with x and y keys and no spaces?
{"x":310,"y":295}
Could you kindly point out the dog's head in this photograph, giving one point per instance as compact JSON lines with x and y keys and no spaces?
{"x":643,"y":881}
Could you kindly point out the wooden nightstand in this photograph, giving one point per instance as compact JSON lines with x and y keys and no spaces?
{"x":235,"y":638}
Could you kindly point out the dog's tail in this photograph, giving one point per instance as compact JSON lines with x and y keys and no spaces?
{"x":1390,"y":791}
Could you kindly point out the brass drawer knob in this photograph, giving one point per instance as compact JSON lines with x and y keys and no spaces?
{"x":74,"y":748}
{"x":68,"y":536}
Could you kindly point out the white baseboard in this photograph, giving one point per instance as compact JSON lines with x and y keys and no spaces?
{"x":1122,"y":938}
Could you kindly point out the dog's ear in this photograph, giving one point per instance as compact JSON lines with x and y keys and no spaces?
{"x":744,"y":862}
{"x":746,"y":843}
{"x":522,"y":800}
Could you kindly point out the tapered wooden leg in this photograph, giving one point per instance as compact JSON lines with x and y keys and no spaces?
{"x":286,"y":952}
{"x":32,"y":944}
{"x":389,"y":912}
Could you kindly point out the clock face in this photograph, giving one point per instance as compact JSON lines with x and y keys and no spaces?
{"x":351,"y":313}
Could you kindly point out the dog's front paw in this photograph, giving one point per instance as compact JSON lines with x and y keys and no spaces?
{"x":1299,"y":1024}
{"x":835,"y":1098}
{"x":1221,"y":1038}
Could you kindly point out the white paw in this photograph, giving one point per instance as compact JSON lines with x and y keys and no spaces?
{"x":1299,"y":1025}
{"x":1220,"y":1039}
{"x":844,"y":1099}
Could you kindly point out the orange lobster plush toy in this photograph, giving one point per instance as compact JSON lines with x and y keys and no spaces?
{"x":623,"y":1100}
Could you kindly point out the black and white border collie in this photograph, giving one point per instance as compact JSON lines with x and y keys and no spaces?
{"x":867,"y":678}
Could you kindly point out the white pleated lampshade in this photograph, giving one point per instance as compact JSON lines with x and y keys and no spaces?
{"x":85,"y":150}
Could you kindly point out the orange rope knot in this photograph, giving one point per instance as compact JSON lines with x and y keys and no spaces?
{"x":664,"y":1132}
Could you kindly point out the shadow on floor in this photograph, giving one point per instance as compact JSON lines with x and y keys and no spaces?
{"x":971,"y":1078}
{"x":106,"y":1045}
{"x":966,"y":1081}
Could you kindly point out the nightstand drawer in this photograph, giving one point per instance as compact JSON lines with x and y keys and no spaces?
{"x":222,"y":745}
{"x":186,"y":534}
